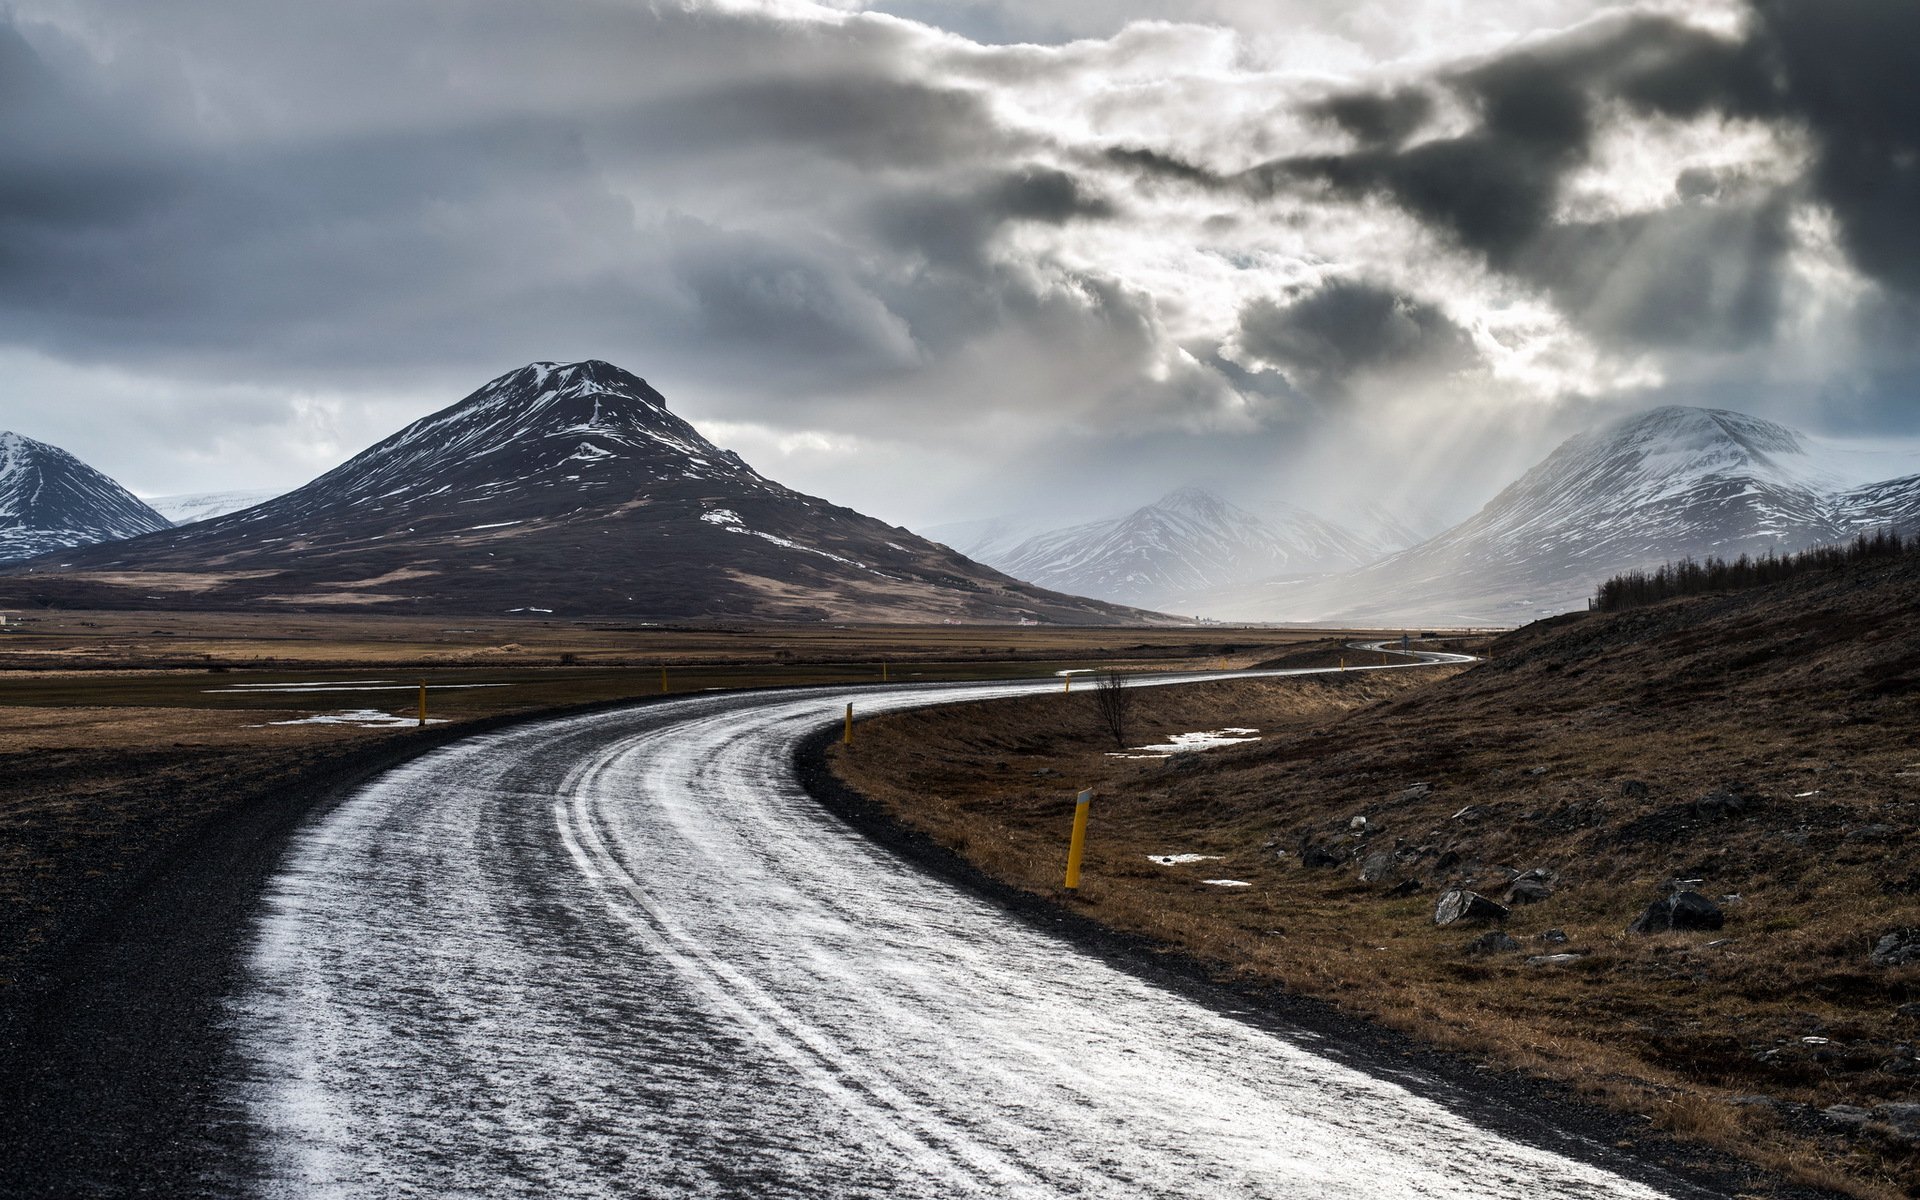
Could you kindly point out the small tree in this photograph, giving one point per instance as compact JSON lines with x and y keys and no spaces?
{"x":1113,"y":701}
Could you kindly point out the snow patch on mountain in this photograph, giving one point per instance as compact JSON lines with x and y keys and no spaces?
{"x":189,"y":507}
{"x":50,"y":500}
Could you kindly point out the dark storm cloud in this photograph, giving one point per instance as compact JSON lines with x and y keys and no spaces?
{"x":802,"y":307}
{"x":1847,"y":68}
{"x":953,"y":225}
{"x":1377,"y":118}
{"x":1349,"y":328}
{"x":1495,"y":188}
{"x":1153,"y":164}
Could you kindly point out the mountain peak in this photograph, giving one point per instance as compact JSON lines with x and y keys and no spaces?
{"x":1191,"y":499}
{"x":50,"y":500}
{"x":1679,"y":423}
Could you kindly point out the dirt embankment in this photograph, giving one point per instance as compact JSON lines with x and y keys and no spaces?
{"x":1756,"y":749}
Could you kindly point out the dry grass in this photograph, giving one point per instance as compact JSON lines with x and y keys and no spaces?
{"x":121,"y":733}
{"x":1808,"y":690}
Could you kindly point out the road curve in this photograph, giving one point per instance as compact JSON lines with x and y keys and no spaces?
{"x":626,"y":955}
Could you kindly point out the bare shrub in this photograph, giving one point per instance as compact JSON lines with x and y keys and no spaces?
{"x":1113,"y":703}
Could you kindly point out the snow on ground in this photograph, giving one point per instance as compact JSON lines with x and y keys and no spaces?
{"x":362,"y":718}
{"x":1187,"y":743}
{"x":1227,"y":883}
{"x":1174,"y":860}
{"x":308,"y":689}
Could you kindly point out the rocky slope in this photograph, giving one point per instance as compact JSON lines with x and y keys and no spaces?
{"x":558,"y":488}
{"x":50,"y":500}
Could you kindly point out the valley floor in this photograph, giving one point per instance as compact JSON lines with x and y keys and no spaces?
{"x":126,"y":734}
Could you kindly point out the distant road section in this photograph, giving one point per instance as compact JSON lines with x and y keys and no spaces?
{"x":626,"y":955}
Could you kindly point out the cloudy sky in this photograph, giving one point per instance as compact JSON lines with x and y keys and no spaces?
{"x":943,"y":259}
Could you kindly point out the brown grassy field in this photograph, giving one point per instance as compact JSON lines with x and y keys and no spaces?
{"x":1597,"y":750}
{"x":123,"y":733}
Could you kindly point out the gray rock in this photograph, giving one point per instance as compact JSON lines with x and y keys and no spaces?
{"x":1406,"y":887}
{"x":1633,"y":789}
{"x":1457,"y":906}
{"x":1845,"y":1116}
{"x":1472,"y":812}
{"x":1415,"y":791}
{"x":1897,"y":948}
{"x":1493,"y":942}
{"x":1554,"y":937}
{"x":1903,"y":1117}
{"x":1357,"y":824}
{"x":1376,"y":867}
{"x":1554,"y":960}
{"x":1680,"y":911}
{"x":1528,"y":891}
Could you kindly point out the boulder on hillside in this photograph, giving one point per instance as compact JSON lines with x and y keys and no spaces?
{"x":1680,"y":911}
{"x":1458,"y":906}
{"x":1531,"y":888}
{"x":1492,"y":942}
{"x":1377,"y":867}
{"x":1323,"y":855}
{"x":1897,"y":948}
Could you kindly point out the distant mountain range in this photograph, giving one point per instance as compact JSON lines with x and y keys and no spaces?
{"x":1661,"y":485}
{"x":50,"y":500}
{"x":558,"y":488}
{"x":572,"y":489}
{"x":204,"y":506}
{"x":1188,"y":543}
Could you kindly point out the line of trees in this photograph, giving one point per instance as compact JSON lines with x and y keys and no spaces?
{"x":1687,"y":577}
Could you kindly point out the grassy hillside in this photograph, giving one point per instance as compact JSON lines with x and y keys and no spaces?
{"x":1757,"y":748}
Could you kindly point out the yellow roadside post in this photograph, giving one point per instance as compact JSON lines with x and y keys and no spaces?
{"x":663,"y":679}
{"x":1067,"y":686}
{"x":1079,"y":842}
{"x":423,"y":703}
{"x":847,"y":737}
{"x":883,"y":671}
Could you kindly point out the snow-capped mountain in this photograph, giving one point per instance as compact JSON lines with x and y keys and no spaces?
{"x":204,"y":506}
{"x":990,"y":539}
{"x":50,"y":500}
{"x":565,"y":488}
{"x":1661,"y":485}
{"x":1186,"y":542}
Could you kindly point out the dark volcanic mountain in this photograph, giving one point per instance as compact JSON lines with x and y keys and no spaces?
{"x":1659,"y":486}
{"x":564,"y":488}
{"x":50,"y":500}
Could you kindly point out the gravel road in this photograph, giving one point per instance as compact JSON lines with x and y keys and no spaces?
{"x":627,"y":954}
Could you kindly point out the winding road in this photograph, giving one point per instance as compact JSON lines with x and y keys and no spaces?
{"x":626,"y":954}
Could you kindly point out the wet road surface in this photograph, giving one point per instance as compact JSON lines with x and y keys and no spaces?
{"x":625,"y":954}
